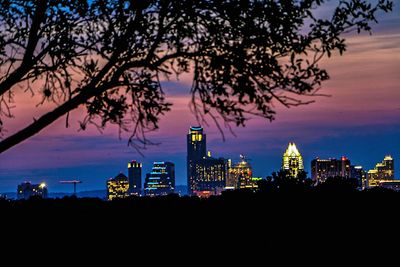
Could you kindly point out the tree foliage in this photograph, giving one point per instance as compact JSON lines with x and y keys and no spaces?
{"x":111,"y":56}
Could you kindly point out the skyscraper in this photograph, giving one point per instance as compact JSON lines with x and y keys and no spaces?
{"x":209,"y":176}
{"x":135,"y":177}
{"x":292,"y":161}
{"x":196,"y":150}
{"x":117,"y":187}
{"x":205,"y":175}
{"x":240,"y":176}
{"x":27,"y":190}
{"x":358,"y":173}
{"x":321,"y":169}
{"x":383,"y":171}
{"x":161,"y":180}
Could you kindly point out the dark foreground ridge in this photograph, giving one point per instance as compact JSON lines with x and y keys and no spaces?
{"x":290,"y":218}
{"x":276,"y":206}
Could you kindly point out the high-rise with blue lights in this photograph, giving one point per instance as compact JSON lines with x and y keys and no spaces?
{"x":161,"y":180}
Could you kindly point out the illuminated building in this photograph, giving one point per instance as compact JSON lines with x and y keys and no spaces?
{"x":292,"y":161}
{"x":204,"y":194}
{"x":161,"y":180}
{"x":231,"y":179}
{"x":117,"y":187}
{"x":254,"y":182}
{"x":383,"y":171}
{"x":322,"y":169}
{"x":27,"y":190}
{"x":357,"y":172}
{"x":240,"y":175}
{"x":205,"y":175}
{"x":135,"y":177}
{"x":210,"y":176}
{"x":196,"y":151}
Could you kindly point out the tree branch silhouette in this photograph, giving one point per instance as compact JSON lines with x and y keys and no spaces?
{"x":108,"y":56}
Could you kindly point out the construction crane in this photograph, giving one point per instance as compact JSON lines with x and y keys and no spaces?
{"x":74,"y":182}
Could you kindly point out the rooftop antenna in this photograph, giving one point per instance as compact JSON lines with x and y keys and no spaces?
{"x":244,"y":158}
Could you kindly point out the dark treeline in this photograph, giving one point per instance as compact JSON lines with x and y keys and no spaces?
{"x":274,"y":195}
{"x":284,"y":215}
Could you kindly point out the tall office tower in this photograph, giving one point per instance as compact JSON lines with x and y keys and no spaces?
{"x":27,"y":190}
{"x":161,"y":180}
{"x":292,"y":161}
{"x":117,"y":187}
{"x":322,"y":169}
{"x":231,"y":179}
{"x":196,"y":151}
{"x":358,"y":173}
{"x":240,"y":176}
{"x":383,"y":171}
{"x":205,"y":175}
{"x":135,"y":177}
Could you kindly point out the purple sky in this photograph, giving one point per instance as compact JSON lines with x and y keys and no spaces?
{"x":361,"y":120}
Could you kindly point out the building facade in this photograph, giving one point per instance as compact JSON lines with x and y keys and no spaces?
{"x":292,"y":161}
{"x":27,"y":190}
{"x":358,"y":173}
{"x":240,"y":175}
{"x":209,"y":176}
{"x":322,"y":169}
{"x":196,"y":151}
{"x":383,"y":171}
{"x":135,"y":178}
{"x":205,"y":175}
{"x":118,"y":187}
{"x":254,"y":182}
{"x":161,"y":180}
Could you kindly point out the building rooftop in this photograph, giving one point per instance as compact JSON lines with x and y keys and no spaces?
{"x":291,"y":150}
{"x":120,"y":176}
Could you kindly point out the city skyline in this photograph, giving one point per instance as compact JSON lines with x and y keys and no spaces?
{"x":233,"y":161}
{"x":360,"y":121}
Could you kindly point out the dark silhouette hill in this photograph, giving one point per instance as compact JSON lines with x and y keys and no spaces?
{"x":302,"y":220}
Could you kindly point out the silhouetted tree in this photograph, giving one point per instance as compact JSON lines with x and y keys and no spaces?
{"x":381,"y":191}
{"x":337,"y":185}
{"x":111,"y":55}
{"x":282,"y":181}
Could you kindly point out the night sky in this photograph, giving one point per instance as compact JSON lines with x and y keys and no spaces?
{"x":361,"y":120}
